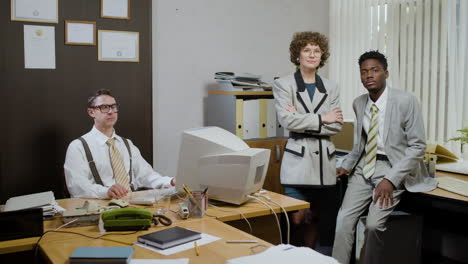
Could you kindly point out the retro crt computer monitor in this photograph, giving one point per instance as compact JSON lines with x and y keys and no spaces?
{"x":213,"y":158}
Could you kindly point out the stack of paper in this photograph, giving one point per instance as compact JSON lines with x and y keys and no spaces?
{"x":45,"y":200}
{"x":285,"y":254}
{"x":461,"y":166}
{"x":245,"y":81}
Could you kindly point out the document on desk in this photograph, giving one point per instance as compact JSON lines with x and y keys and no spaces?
{"x":43,"y":199}
{"x":285,"y":254}
{"x":160,"y":261}
{"x":461,"y":166}
{"x":205,"y":239}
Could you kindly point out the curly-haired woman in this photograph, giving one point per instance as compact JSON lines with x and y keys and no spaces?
{"x":308,"y":106}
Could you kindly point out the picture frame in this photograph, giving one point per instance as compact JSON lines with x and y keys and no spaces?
{"x":80,"y":33}
{"x":42,"y":11}
{"x":115,"y":9}
{"x":118,"y":46}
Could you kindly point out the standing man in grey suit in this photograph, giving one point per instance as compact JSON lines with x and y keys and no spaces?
{"x":387,"y":158}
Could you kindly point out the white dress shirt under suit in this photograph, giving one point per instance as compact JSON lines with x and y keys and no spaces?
{"x":381,"y":104}
{"x":80,"y":180}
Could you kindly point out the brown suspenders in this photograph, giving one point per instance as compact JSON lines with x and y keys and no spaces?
{"x":92,"y":164}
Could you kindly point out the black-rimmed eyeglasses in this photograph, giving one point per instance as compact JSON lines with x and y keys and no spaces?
{"x":105,"y":108}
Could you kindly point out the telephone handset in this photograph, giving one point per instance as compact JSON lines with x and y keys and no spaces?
{"x":127,"y":219}
{"x":131,"y":219}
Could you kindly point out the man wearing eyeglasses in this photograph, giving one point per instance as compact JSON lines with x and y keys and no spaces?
{"x":101,"y":164}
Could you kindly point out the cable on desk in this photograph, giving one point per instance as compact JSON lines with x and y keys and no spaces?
{"x":268,"y":198}
{"x":272,"y":210}
{"x":233,"y":210}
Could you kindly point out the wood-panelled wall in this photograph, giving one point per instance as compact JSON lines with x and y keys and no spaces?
{"x":42,"y":111}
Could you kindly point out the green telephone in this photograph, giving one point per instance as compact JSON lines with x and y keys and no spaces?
{"x":127,"y":219}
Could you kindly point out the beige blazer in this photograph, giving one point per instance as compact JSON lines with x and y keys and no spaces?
{"x":309,"y":157}
{"x":404,"y":141}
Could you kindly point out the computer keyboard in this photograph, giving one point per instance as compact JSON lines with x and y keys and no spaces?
{"x":172,"y":191}
{"x":454,"y":185}
{"x":150,"y":197}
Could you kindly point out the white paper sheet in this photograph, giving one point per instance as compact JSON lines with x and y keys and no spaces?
{"x":80,"y":33}
{"x":115,"y":8}
{"x":205,"y":239}
{"x":285,"y":254}
{"x":118,"y":46}
{"x":38,"y":10}
{"x":160,"y":261}
{"x":39,"y":47}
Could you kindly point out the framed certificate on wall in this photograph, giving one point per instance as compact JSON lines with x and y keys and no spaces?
{"x":44,"y":11}
{"x":118,"y":46}
{"x":80,"y":33}
{"x":116,"y":9}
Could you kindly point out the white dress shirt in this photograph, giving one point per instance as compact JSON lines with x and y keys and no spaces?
{"x":78,"y":175}
{"x":381,"y":104}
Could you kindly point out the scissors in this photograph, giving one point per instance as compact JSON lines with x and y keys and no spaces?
{"x":164,"y":220}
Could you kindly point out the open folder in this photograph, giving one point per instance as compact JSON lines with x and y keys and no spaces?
{"x":443,"y":155}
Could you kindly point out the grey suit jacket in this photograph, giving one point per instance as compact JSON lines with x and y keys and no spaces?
{"x":308,"y":161}
{"x":404,"y":141}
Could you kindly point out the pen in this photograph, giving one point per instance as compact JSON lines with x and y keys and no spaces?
{"x":241,"y":241}
{"x":118,"y":241}
{"x":197,"y":250}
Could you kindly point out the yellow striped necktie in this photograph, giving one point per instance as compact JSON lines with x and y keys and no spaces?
{"x":371,"y":145}
{"x":120,"y":174}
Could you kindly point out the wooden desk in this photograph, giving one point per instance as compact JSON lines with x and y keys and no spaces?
{"x":445,"y":215}
{"x":438,"y":199}
{"x":58,"y":246}
{"x":18,"y":245}
{"x":446,"y":194}
{"x":223,"y":212}
{"x":254,"y":208}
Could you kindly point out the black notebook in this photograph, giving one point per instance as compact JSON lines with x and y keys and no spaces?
{"x":169,"y":237}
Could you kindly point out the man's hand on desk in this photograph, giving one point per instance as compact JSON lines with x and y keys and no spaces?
{"x":340,"y":172}
{"x":117,"y":191}
{"x":169,"y":185}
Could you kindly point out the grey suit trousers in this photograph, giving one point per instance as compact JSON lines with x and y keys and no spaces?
{"x":358,"y":197}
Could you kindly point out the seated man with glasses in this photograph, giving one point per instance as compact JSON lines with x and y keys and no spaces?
{"x":101,"y":164}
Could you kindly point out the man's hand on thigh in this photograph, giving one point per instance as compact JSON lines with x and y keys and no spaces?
{"x":384,"y":191}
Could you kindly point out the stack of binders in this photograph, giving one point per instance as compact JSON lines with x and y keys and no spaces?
{"x":44,"y":200}
{"x":245,"y":81}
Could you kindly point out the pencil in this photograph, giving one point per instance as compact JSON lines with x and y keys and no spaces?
{"x":117,"y":241}
{"x":241,"y":241}
{"x":189,"y":192}
{"x":197,"y":250}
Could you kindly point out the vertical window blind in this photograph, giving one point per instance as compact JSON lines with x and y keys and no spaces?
{"x":425,"y":42}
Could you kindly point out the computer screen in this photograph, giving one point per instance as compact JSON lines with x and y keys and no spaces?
{"x":214,"y":158}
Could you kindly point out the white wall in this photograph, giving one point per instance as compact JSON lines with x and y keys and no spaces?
{"x":194,"y":39}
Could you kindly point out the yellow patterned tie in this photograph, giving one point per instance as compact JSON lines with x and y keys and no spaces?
{"x":120,"y":174}
{"x":371,"y":145}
